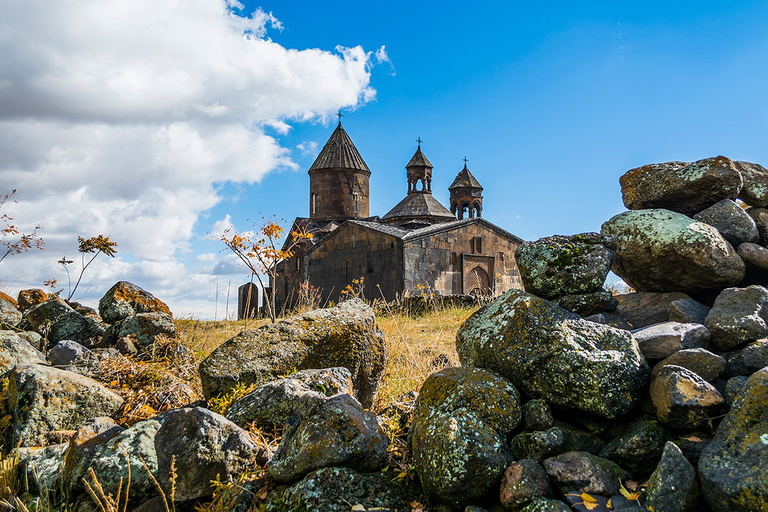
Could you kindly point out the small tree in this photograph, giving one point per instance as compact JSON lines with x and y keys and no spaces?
{"x":260,"y":252}
{"x":25,"y":241}
{"x":95,"y":245}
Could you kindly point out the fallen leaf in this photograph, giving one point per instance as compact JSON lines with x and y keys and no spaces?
{"x":609,"y":504}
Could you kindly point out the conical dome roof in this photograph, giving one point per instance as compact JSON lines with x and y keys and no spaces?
{"x":465,"y":180}
{"x":419,"y":160}
{"x":339,"y":153}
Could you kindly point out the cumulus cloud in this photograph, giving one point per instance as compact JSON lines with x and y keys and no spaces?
{"x":121,"y":117}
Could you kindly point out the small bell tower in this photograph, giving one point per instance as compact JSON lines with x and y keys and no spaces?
{"x":466,"y":195}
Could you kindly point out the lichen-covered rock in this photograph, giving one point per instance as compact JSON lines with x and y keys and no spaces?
{"x":144,"y":328}
{"x":578,"y":440}
{"x":683,"y":400}
{"x":30,"y":298}
{"x":732,"y":469}
{"x":56,"y":321}
{"x":537,"y":445}
{"x":15,"y":350}
{"x":658,"y":341}
{"x":761,"y":219}
{"x":339,"y":432}
{"x":553,"y":354}
{"x":673,"y":486}
{"x":126,"y":299}
{"x":731,"y":220}
{"x":565,"y":265}
{"x":687,"y":311}
{"x":641,"y":309}
{"x":202,"y":445}
{"x":41,"y":467}
{"x":663,"y":251}
{"x":274,"y":402}
{"x":733,"y":387}
{"x":346,"y":335}
{"x":110,"y":460}
{"x":588,"y":303}
{"x":44,"y":399}
{"x":702,"y":362}
{"x":583,"y":472}
{"x":10,"y":316}
{"x":638,"y":447}
{"x":65,"y":352}
{"x":523,"y":481}
{"x":754,"y":192}
{"x":537,"y":415}
{"x":458,"y":435}
{"x":738,"y":316}
{"x":681,"y":187}
{"x":748,"y":359}
{"x":338,"y":490}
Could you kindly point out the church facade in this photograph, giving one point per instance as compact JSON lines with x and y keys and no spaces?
{"x":418,"y":246}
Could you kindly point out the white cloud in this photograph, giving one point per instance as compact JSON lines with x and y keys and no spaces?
{"x":383,"y":58}
{"x":118,"y":118}
{"x":308,"y":147}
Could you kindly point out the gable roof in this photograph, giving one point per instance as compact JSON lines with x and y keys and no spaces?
{"x":417,"y":234}
{"x":339,"y":153}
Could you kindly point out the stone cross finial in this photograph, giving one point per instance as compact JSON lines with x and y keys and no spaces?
{"x":465,"y":161}
{"x":339,"y":115}
{"x":419,"y":141}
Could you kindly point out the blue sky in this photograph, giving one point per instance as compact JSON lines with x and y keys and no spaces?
{"x":550,"y":103}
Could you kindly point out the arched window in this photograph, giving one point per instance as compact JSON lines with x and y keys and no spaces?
{"x":356,"y":199}
{"x":314,"y":203}
{"x":477,"y":282}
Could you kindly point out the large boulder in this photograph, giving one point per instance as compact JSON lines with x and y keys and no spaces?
{"x":702,"y":362}
{"x":126,"y":299}
{"x":65,"y":352}
{"x":682,"y":187}
{"x":339,"y":432}
{"x":458,"y":434}
{"x":43,"y":399}
{"x":673,"y":486}
{"x":144,"y":328}
{"x":638,"y":446}
{"x":553,"y":354}
{"x":748,"y":359}
{"x":345,"y":335}
{"x":661,"y":340}
{"x":16,"y":350}
{"x":565,"y":265}
{"x":732,"y":469}
{"x":755,"y":189}
{"x":755,"y":256}
{"x":738,"y":316}
{"x":731,"y":220}
{"x":683,"y":400}
{"x":202,"y":446}
{"x":56,"y":320}
{"x":274,"y":402}
{"x":641,"y":309}
{"x":583,"y":472}
{"x":663,"y":251}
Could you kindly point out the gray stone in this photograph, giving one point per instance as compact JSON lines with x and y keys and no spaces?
{"x":556,"y":266}
{"x":202,"y":445}
{"x":641,"y":309}
{"x":523,"y":481}
{"x":339,"y":432}
{"x":683,"y":400}
{"x":732,"y":468}
{"x":337,"y":489}
{"x":700,"y":361}
{"x":738,"y":316}
{"x":273,"y":403}
{"x":733,"y":387}
{"x":664,"y":251}
{"x":545,"y":505}
{"x":673,"y":486}
{"x":658,"y":341}
{"x":44,"y":399}
{"x":537,"y":415}
{"x":126,"y":346}
{"x":32,"y":338}
{"x":588,"y":303}
{"x":761,"y":219}
{"x":578,"y":440}
{"x":15,"y":350}
{"x":638,"y":446}
{"x":583,"y":472}
{"x":144,"y":328}
{"x":553,"y":354}
{"x":55,"y":320}
{"x":346,"y":335}
{"x":537,"y":445}
{"x":679,"y":186}
{"x":754,"y":192}
{"x":458,"y":440}
{"x":754,"y":255}
{"x":41,"y":467}
{"x":731,"y":221}
{"x":748,"y":359}
{"x":10,"y":316}
{"x":65,"y":352}
{"x":610,"y":319}
{"x":687,"y":311}
{"x":126,"y":299}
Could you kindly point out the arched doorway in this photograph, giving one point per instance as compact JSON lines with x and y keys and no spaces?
{"x":477,"y":282}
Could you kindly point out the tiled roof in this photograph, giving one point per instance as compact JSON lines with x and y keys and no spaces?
{"x":419,"y":160}
{"x":419,"y":206}
{"x":465,"y":179}
{"x":339,"y":152}
{"x":387,"y":229}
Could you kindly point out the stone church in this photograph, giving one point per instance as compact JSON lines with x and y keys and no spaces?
{"x":418,"y":246}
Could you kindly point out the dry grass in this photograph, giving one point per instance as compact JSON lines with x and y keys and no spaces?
{"x":417,"y":345}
